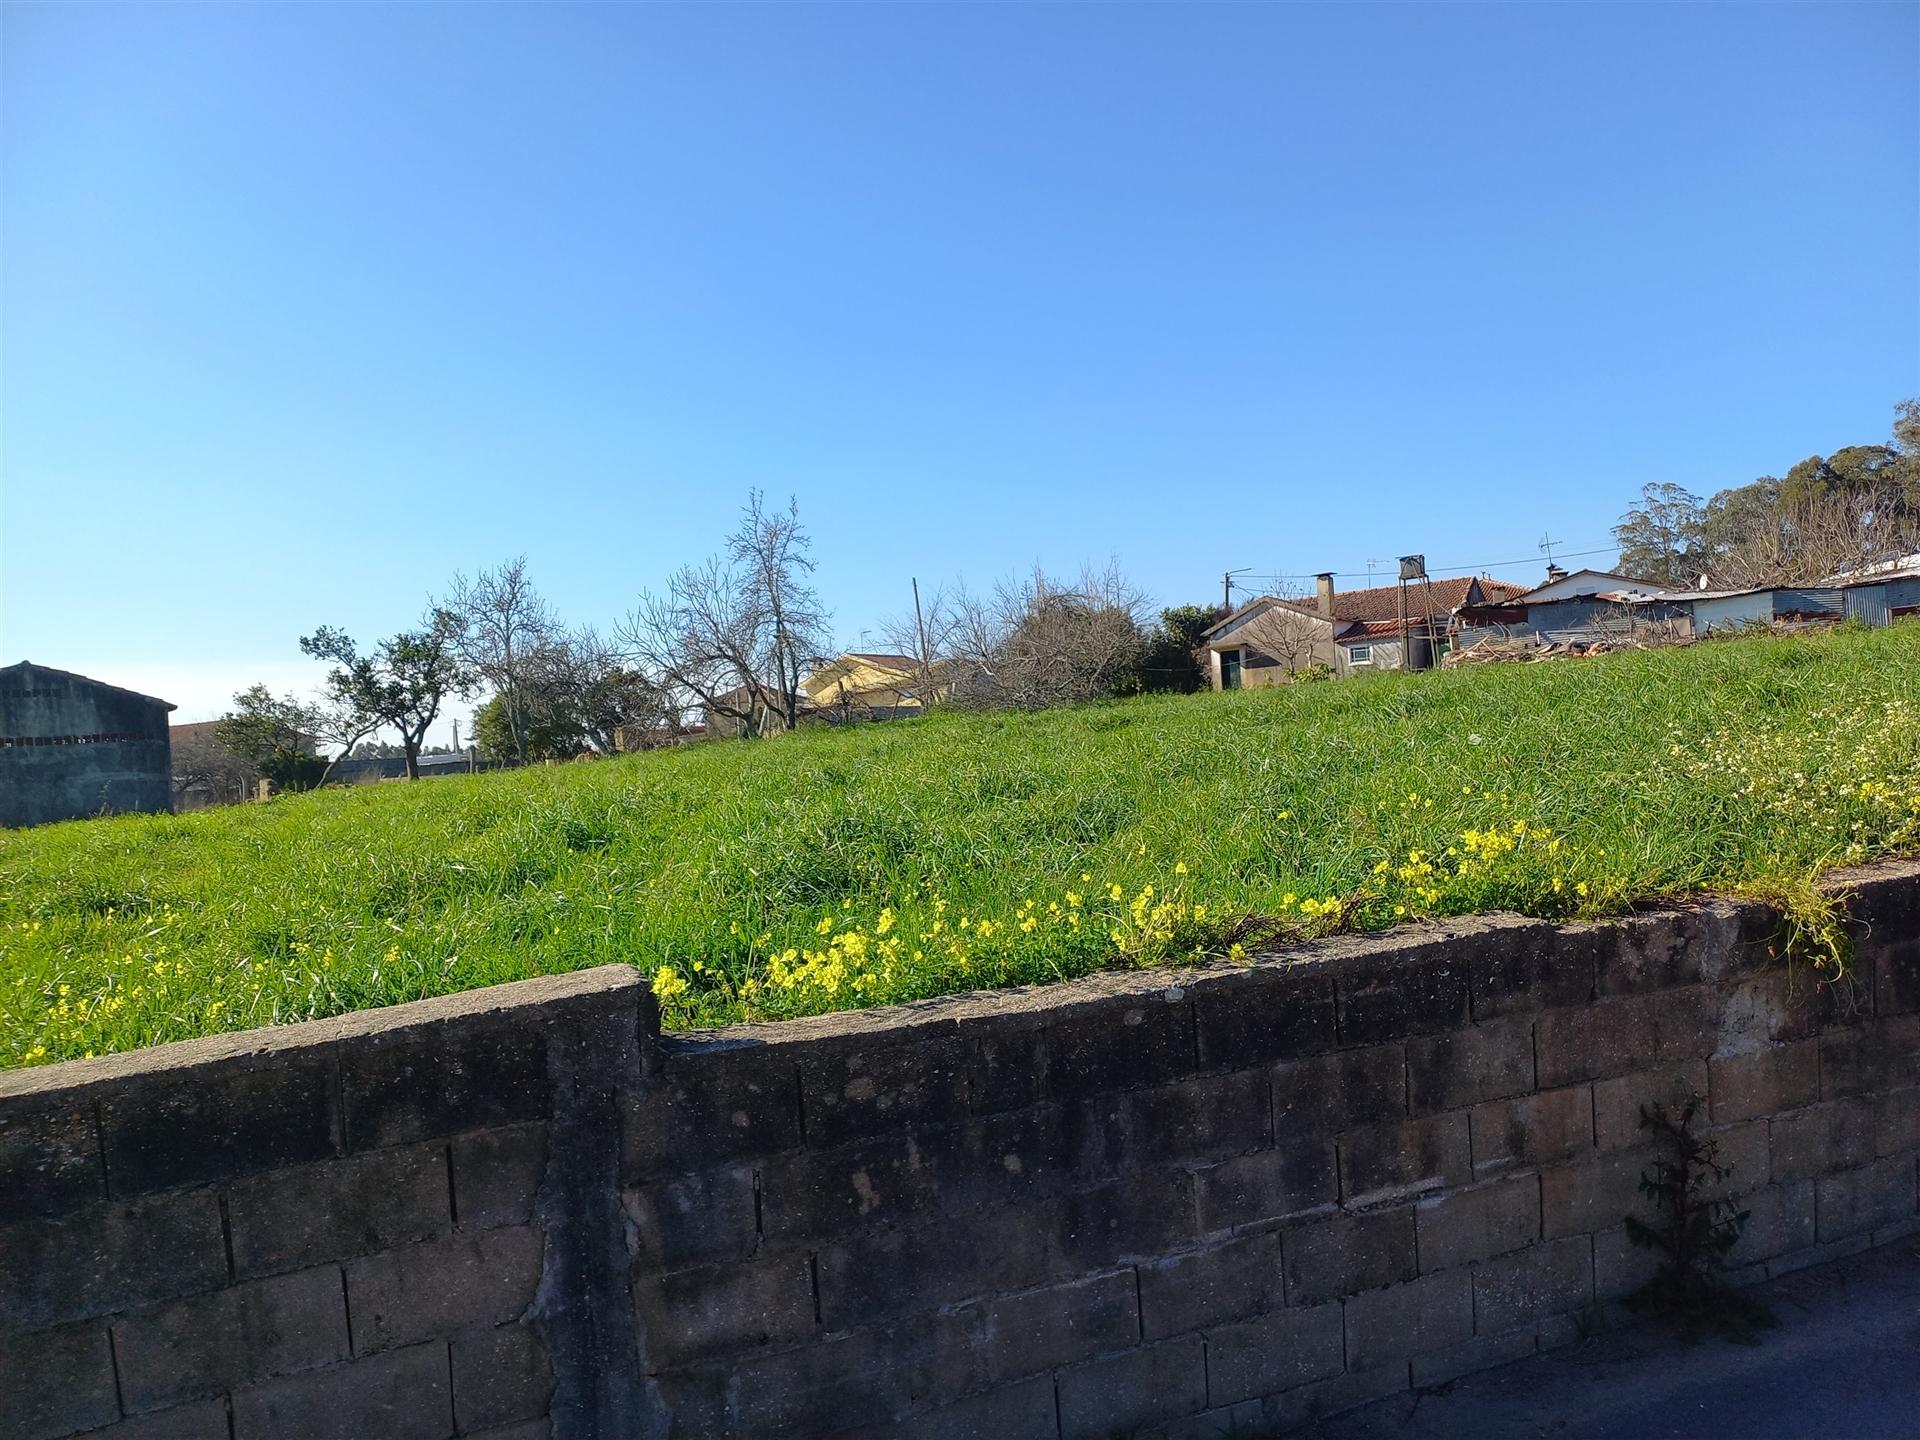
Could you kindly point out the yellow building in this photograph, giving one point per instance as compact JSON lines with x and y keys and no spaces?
{"x":868,"y":687}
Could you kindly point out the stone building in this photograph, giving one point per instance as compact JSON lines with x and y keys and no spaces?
{"x":71,"y":747}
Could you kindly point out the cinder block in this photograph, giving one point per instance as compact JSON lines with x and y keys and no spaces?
{"x":1274,"y":1353}
{"x":927,"y":1263}
{"x":1223,"y":1422}
{"x":1817,"y":1255}
{"x":716,"y":1309}
{"x":816,"y":1193}
{"x":1764,"y":1082}
{"x":1006,"y":1069}
{"x":865,"y":1378}
{"x":1288,"y":1180}
{"x":496,"y":1175}
{"x":1594,"y":1193}
{"x":710,"y":1103}
{"x":1473,"y":1224}
{"x":196,"y":1420}
{"x":1133,"y":1389}
{"x":1291,"y":1409}
{"x":1191,"y":1121}
{"x":426,"y":1291}
{"x":1116,"y":1046}
{"x":1896,"y":1122}
{"x":1345,"y":1254}
{"x":1836,"y":1135}
{"x":442,"y":1084}
{"x":1625,"y":1033}
{"x":1404,"y":1320}
{"x":1329,"y":1093}
{"x":1483,"y":1352}
{"x":1778,"y":1006}
{"x":402,"y":1395}
{"x":1660,"y":952}
{"x":687,"y":1219}
{"x":1896,"y":975}
{"x":1865,"y":1199}
{"x":108,"y":1257}
{"x":1551,"y":1278}
{"x":1620,"y":1267}
{"x":1386,"y":1162}
{"x":1744,"y":1155}
{"x":1021,"y":1411}
{"x":216,"y":1122}
{"x":1780,"y":1220}
{"x":1880,"y":1054}
{"x":1537,"y":1129}
{"x":1034,"y":1330}
{"x":1203,"y":1287}
{"x":1418,"y":992}
{"x":52,"y":1163}
{"x":308,"y":1214}
{"x":1523,"y":969}
{"x":500,"y":1376}
{"x":1263,"y":1016}
{"x":1617,"y":1102}
{"x":57,"y":1381}
{"x":883,"y":1089}
{"x":211,"y":1342}
{"x":1139,"y":1215}
{"x":1487,"y":1061}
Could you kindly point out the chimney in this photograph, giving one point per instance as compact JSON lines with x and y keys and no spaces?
{"x":1555,"y":572}
{"x":1323,"y":589}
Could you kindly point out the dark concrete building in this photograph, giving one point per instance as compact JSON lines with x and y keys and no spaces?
{"x":71,"y":747}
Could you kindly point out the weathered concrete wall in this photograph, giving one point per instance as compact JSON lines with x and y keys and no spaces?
{"x":71,"y":747}
{"x":399,"y":1224}
{"x":1145,"y":1204}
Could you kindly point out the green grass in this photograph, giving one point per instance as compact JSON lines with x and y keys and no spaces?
{"x":837,"y":868}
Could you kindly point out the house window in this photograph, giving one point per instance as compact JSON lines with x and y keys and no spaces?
{"x":1229,"y":669}
{"x":1360,"y":654}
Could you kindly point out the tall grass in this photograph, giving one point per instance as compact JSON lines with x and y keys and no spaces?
{"x":831,"y":869}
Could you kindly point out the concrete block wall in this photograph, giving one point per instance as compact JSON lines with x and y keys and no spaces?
{"x":1220,"y":1201}
{"x":376,"y":1226}
{"x":1229,"y":1201}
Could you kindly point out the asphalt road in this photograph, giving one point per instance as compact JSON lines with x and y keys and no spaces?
{"x":1843,"y":1363}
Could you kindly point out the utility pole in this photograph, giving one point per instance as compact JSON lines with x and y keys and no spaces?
{"x":1226,"y":586}
{"x":920,"y":625}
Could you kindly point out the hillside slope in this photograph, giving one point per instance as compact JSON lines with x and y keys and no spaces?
{"x":839,"y":868}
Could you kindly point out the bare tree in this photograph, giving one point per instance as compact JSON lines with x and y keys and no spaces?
{"x":1038,"y":640}
{"x":735,"y":635}
{"x":1810,"y":537}
{"x":775,"y":562}
{"x":500,"y":627}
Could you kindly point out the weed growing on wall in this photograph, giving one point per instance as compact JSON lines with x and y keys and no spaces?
{"x":1694,"y":1230}
{"x":889,"y":862}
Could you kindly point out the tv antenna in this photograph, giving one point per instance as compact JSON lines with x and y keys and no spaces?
{"x":1547,"y":542}
{"x":1372,"y":565}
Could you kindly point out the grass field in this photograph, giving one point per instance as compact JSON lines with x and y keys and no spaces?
{"x":833,"y":869}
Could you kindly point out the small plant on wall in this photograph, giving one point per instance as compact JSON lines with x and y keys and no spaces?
{"x":1693,"y":1232}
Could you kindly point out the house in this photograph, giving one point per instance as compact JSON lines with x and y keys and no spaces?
{"x":857,"y":686}
{"x":372,"y":769}
{"x":1352,"y":632}
{"x":71,"y":747}
{"x":861,"y":686}
{"x":1579,"y":607}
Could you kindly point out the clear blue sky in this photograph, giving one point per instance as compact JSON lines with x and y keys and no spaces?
{"x":304,"y":307}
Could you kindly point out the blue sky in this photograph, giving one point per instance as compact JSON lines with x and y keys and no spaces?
{"x":302,"y":308}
